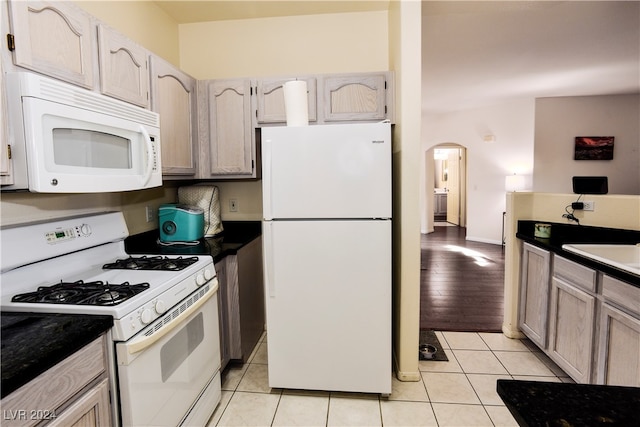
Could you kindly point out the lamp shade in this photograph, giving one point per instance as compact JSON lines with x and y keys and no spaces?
{"x":514,"y":183}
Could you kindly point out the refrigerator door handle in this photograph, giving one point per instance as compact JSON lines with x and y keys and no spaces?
{"x":266,"y":178}
{"x":268,"y":255}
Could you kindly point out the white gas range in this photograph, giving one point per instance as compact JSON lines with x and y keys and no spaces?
{"x":166,"y":353}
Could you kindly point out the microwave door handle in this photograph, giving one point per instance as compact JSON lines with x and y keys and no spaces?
{"x":147,"y":140}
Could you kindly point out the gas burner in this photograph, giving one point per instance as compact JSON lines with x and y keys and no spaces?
{"x":151,"y":263}
{"x":81,"y":293}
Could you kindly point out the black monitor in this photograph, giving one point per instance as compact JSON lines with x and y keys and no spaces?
{"x":590,"y":185}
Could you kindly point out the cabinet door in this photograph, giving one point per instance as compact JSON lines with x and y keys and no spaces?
{"x":223,"y":311}
{"x":124,"y":73}
{"x":233,"y":308}
{"x":54,"y":38}
{"x":440,"y":205}
{"x":571,"y":324}
{"x":230,"y":143}
{"x":270,"y":97}
{"x":90,"y":410}
{"x":251,"y":293}
{"x":354,"y":97}
{"x":534,"y":294}
{"x":619,"y":348}
{"x":173,"y":96}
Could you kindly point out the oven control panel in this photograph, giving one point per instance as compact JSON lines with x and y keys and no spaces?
{"x":177,"y":297}
{"x":64,"y":234}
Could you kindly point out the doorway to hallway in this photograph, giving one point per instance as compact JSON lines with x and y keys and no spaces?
{"x":461,"y":282}
{"x":449,"y":184}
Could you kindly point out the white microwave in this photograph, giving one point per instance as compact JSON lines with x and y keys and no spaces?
{"x":66,"y":139}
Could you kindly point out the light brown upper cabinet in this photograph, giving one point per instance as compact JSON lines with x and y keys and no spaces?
{"x":270,"y":98}
{"x":227,"y":146}
{"x":357,"y":97}
{"x":54,"y":38}
{"x":174,"y":97}
{"x":124,"y":70}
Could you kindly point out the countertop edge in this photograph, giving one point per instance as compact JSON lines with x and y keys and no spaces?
{"x":31,"y":351}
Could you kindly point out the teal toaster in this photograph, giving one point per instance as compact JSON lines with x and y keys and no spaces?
{"x":180,"y":223}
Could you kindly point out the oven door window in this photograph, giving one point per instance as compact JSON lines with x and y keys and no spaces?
{"x":86,"y":148}
{"x":159,"y":384}
{"x":176,"y":352}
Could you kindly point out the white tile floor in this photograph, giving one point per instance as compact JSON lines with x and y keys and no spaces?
{"x":460,"y":392}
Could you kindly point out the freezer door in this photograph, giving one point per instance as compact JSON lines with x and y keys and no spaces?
{"x":328,"y":294}
{"x":327,"y":171}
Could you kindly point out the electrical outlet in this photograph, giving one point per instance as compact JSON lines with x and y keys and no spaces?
{"x":151,"y":213}
{"x":589,"y":206}
{"x":233,"y":205}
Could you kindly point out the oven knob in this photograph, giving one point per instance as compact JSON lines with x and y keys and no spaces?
{"x":85,"y":229}
{"x":208,"y":274}
{"x":161,"y":307}
{"x":200,"y":280}
{"x":145,"y":317}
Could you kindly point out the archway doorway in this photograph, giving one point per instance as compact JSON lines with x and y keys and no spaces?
{"x":449,"y":183}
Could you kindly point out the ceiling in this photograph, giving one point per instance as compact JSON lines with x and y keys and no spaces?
{"x":476,"y":54}
{"x":479,"y":53}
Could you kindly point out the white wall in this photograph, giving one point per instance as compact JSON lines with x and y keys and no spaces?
{"x":488,"y":164}
{"x":559,"y":120}
{"x":311,"y":44}
{"x":404,"y":59}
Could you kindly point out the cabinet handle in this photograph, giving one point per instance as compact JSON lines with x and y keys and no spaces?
{"x":11,"y":42}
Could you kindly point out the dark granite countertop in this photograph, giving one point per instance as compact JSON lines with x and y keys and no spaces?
{"x":235,"y":235}
{"x":548,"y":404}
{"x":568,"y":233}
{"x":31,"y":343}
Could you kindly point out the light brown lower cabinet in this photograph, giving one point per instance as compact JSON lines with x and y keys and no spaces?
{"x":75,"y":392}
{"x":241,"y":303}
{"x":586,"y":321}
{"x":90,"y":410}
{"x":572,"y":315}
{"x":534,"y":294}
{"x":619,"y":340}
{"x":571,"y":323}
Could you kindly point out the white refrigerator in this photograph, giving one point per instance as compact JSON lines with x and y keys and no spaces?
{"x":327,"y":256}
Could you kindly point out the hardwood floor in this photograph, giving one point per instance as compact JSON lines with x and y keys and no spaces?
{"x":461,"y":282}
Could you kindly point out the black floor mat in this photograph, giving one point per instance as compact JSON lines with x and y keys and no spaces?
{"x":429,"y":337}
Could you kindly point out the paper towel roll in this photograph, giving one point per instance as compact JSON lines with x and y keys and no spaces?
{"x":295,"y":103}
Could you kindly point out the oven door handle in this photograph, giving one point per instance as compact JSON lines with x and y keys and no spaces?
{"x":142,"y":341}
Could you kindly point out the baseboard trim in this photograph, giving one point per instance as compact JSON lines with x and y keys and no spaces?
{"x":405,"y":376}
{"x":408,"y":376}
{"x":481,"y":240}
{"x":512,"y":333}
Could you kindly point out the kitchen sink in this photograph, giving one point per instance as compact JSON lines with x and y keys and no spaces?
{"x":624,"y":257}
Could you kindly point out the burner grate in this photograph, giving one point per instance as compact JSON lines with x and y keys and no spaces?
{"x":82,"y":293}
{"x":151,"y":263}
